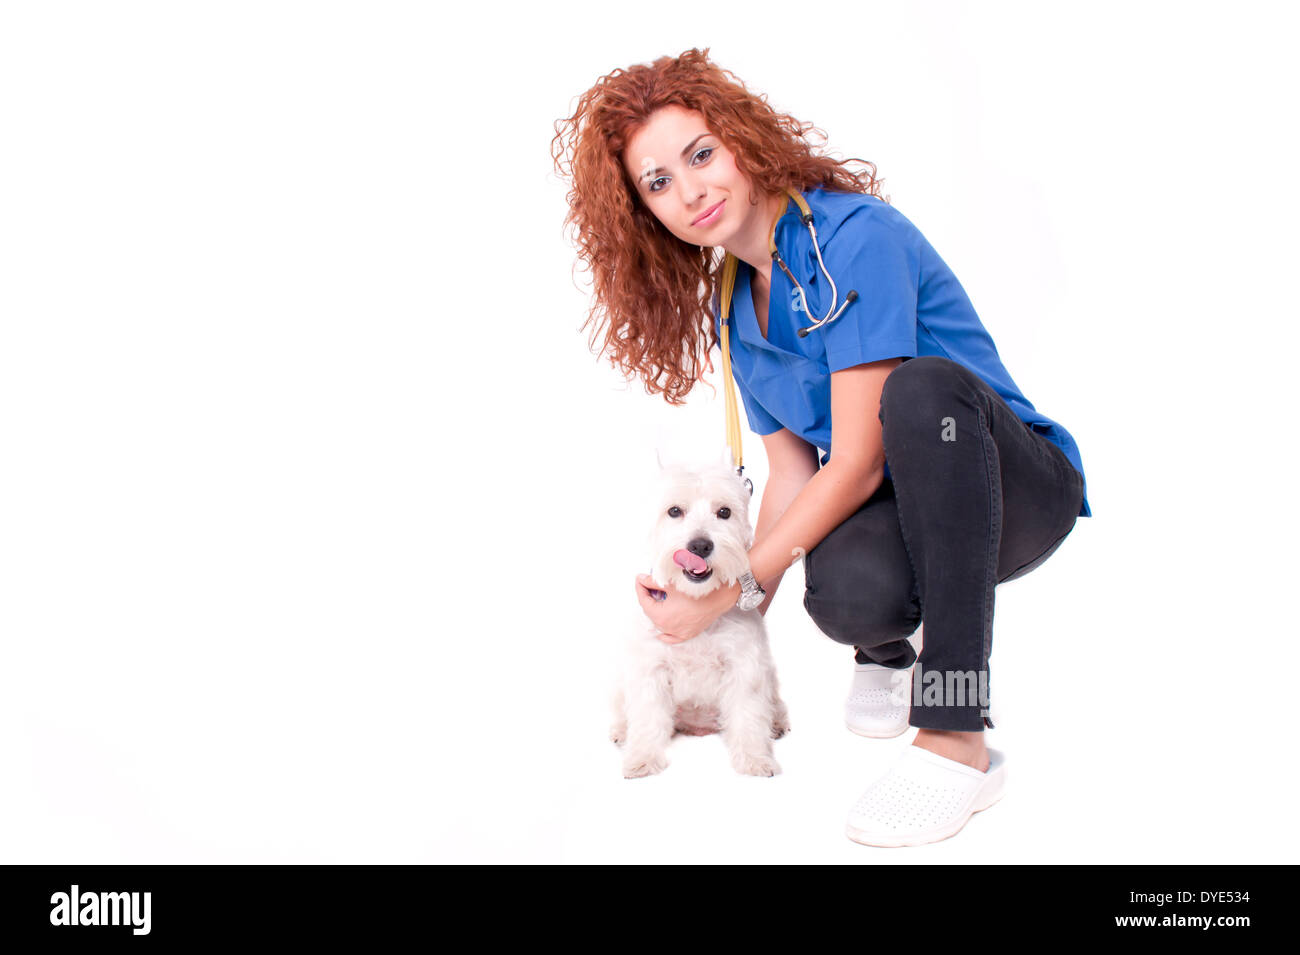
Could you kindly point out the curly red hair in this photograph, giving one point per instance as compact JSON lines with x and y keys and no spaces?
{"x":653,"y":292}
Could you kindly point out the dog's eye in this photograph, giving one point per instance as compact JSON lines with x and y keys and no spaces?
{"x":674,"y":511}
{"x":724,"y":512}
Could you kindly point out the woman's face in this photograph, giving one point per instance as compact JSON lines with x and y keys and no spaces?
{"x":688,"y":179}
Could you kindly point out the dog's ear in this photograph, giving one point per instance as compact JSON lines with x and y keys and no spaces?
{"x":659,"y":458}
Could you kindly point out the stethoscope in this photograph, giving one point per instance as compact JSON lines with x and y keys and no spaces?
{"x":729,"y":269}
{"x":806,"y":217}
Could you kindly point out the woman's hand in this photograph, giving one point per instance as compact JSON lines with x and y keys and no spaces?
{"x":679,"y":617}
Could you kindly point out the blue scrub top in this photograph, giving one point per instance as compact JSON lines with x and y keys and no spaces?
{"x":909,"y":304}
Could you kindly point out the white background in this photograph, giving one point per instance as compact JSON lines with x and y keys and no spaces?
{"x":319,"y":520}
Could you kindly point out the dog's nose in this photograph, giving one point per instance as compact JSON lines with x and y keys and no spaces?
{"x":700,"y":547}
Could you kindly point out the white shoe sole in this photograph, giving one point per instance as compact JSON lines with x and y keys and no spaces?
{"x":982,"y":798}
{"x":878,"y":734}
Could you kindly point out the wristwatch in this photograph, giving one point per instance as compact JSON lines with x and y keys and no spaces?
{"x":751,"y":594}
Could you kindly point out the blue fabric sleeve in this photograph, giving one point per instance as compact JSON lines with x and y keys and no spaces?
{"x":882,"y":263}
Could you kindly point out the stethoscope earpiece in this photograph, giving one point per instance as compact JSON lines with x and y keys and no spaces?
{"x":848,"y":300}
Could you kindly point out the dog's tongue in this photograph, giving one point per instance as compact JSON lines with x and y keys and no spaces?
{"x":688,"y":561}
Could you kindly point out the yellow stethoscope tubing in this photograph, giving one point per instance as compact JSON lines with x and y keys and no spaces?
{"x":729,"y":268}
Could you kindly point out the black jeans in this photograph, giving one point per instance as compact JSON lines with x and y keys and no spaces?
{"x":976,"y":498}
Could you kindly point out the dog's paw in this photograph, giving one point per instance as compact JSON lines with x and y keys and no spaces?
{"x":780,"y":728}
{"x":755,"y":765}
{"x":618,"y":733}
{"x":636,"y":765}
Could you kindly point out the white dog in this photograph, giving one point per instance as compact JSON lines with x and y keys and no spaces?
{"x":722,"y":680}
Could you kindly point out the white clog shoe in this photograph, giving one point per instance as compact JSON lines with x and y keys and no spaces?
{"x":924,"y":798}
{"x":880,"y":701}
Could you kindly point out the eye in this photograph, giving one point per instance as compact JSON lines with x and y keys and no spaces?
{"x":674,"y":511}
{"x":724,"y":513}
{"x":706,"y":153}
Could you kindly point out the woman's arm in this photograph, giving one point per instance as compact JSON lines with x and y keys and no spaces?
{"x":791,"y":464}
{"x":853,"y":474}
{"x":834,"y":493}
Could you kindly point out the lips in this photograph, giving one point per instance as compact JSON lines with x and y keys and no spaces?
{"x":710,"y":215}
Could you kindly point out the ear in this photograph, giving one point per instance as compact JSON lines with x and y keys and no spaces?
{"x":659,"y":459}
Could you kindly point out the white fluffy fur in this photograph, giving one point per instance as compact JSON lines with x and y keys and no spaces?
{"x":722,"y":680}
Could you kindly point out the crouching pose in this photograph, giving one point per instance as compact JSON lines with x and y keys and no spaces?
{"x":905,"y":465}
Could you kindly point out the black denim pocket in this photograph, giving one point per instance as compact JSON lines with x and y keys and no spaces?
{"x":1062,"y":459}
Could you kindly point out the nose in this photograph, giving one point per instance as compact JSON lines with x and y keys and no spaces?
{"x":693,"y":192}
{"x":701,"y":547}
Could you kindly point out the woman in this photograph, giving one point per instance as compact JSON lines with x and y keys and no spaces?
{"x":938,"y":479}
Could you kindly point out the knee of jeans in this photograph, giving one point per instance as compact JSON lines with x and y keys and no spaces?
{"x":858,"y":604}
{"x":918,"y":383}
{"x":859,"y":623}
